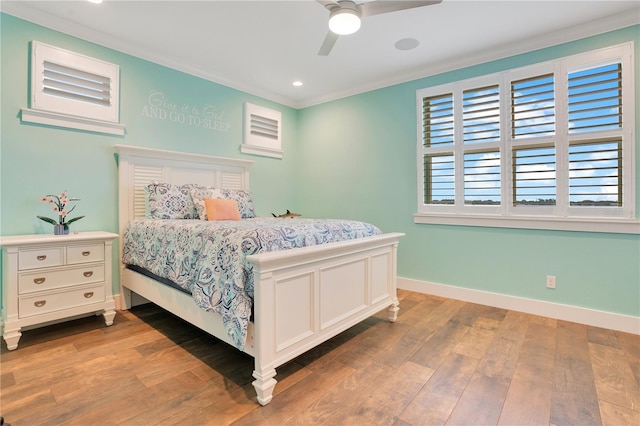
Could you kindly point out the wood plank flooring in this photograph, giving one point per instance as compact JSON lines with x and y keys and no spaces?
{"x":443,"y":362}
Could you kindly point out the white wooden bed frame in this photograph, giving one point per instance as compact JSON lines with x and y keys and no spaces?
{"x":303,"y":296}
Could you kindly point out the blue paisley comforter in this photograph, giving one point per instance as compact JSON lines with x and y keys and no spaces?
{"x":208,"y":259}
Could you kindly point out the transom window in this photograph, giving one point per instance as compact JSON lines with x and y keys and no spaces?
{"x":550,"y":142}
{"x":71,"y":90}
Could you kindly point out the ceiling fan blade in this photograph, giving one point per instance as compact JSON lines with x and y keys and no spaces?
{"x":329,"y":4}
{"x":328,"y":43}
{"x":381,"y":6}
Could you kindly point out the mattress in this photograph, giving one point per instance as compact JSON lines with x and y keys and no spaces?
{"x":208,"y":258}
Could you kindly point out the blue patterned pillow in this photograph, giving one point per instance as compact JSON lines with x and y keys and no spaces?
{"x":244,"y":200}
{"x":199,"y":193}
{"x":168,"y":201}
{"x":242,"y":197}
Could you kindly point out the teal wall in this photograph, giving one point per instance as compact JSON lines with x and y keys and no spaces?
{"x":36,"y":160}
{"x":369,"y":142}
{"x":353,"y":158}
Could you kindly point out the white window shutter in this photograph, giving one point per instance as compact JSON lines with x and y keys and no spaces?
{"x":72,"y":90}
{"x":540,"y":147}
{"x":262,"y":131}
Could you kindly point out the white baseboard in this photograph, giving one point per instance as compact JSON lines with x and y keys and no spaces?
{"x":603,"y":319}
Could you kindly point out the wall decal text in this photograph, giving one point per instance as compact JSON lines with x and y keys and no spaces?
{"x":159,"y":107}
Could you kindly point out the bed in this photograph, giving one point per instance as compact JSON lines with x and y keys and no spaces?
{"x":301,"y":296}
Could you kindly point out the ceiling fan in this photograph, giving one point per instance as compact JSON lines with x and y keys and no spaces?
{"x":345,"y":15}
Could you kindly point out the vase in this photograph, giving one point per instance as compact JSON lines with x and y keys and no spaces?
{"x":60,"y":229}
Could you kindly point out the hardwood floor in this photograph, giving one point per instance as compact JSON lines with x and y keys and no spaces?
{"x":443,"y":362}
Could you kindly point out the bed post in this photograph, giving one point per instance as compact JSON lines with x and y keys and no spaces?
{"x":264,"y":335}
{"x":125,"y":294}
{"x":264,"y":385}
{"x":126,"y":186}
{"x":392,"y":310}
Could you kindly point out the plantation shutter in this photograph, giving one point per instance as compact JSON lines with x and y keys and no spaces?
{"x":68,"y":83}
{"x":438,"y":120}
{"x":535,"y":146}
{"x":533,"y":166}
{"x":482,"y":178}
{"x":595,"y":99}
{"x":262,"y":131}
{"x":71,"y":83}
{"x":595,"y":167}
{"x":264,"y":126}
{"x":481,"y":115}
{"x":481,"y":134}
{"x":438,"y":140}
{"x":534,"y":176}
{"x":439,"y":172}
{"x":595,"y":174}
{"x":532,"y":107}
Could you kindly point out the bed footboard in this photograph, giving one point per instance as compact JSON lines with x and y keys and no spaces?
{"x":304,"y":297}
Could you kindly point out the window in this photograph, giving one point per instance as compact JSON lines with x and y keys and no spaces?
{"x":548,"y":146}
{"x":262,"y":131}
{"x":73,"y":90}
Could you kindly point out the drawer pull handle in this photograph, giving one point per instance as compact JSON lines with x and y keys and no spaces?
{"x":86,"y":253}
{"x":88,"y":295}
{"x":42,"y":257}
{"x":39,"y":303}
{"x":39,"y":280}
{"x":88,"y":274}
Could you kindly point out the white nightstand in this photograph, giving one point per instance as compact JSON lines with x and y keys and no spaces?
{"x":46,"y":278}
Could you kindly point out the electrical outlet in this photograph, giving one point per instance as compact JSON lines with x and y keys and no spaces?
{"x":551,"y":281}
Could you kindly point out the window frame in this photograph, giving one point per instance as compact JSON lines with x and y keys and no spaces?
{"x":561,"y":216}
{"x":262,"y":131}
{"x":63,"y":110}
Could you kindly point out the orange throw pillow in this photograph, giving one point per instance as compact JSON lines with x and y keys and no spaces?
{"x":219,"y":209}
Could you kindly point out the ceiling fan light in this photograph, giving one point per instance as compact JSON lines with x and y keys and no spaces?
{"x":344,"y":21}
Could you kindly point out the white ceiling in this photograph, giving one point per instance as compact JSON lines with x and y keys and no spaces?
{"x":261,"y":47}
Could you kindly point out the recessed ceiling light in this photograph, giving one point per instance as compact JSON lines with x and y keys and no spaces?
{"x":297,"y":83}
{"x":96,"y":1}
{"x":407,"y":44}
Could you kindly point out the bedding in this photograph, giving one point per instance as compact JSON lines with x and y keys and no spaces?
{"x":167,"y":201}
{"x":244,"y":199}
{"x":208,"y":258}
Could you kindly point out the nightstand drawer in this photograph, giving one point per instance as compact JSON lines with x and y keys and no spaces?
{"x":46,"y":280}
{"x":85,"y":254}
{"x":40,"y":258}
{"x":50,"y":302}
{"x":47,"y":277}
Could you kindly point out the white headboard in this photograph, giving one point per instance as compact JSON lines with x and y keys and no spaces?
{"x":138,"y":167}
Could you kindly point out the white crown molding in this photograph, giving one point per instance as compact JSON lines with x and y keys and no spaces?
{"x":569,"y":34}
{"x":23,"y":11}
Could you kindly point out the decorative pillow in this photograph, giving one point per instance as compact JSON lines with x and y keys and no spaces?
{"x":219,"y":209}
{"x":242,"y":197}
{"x":244,"y":200}
{"x":168,"y":201}
{"x":199,"y":193}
